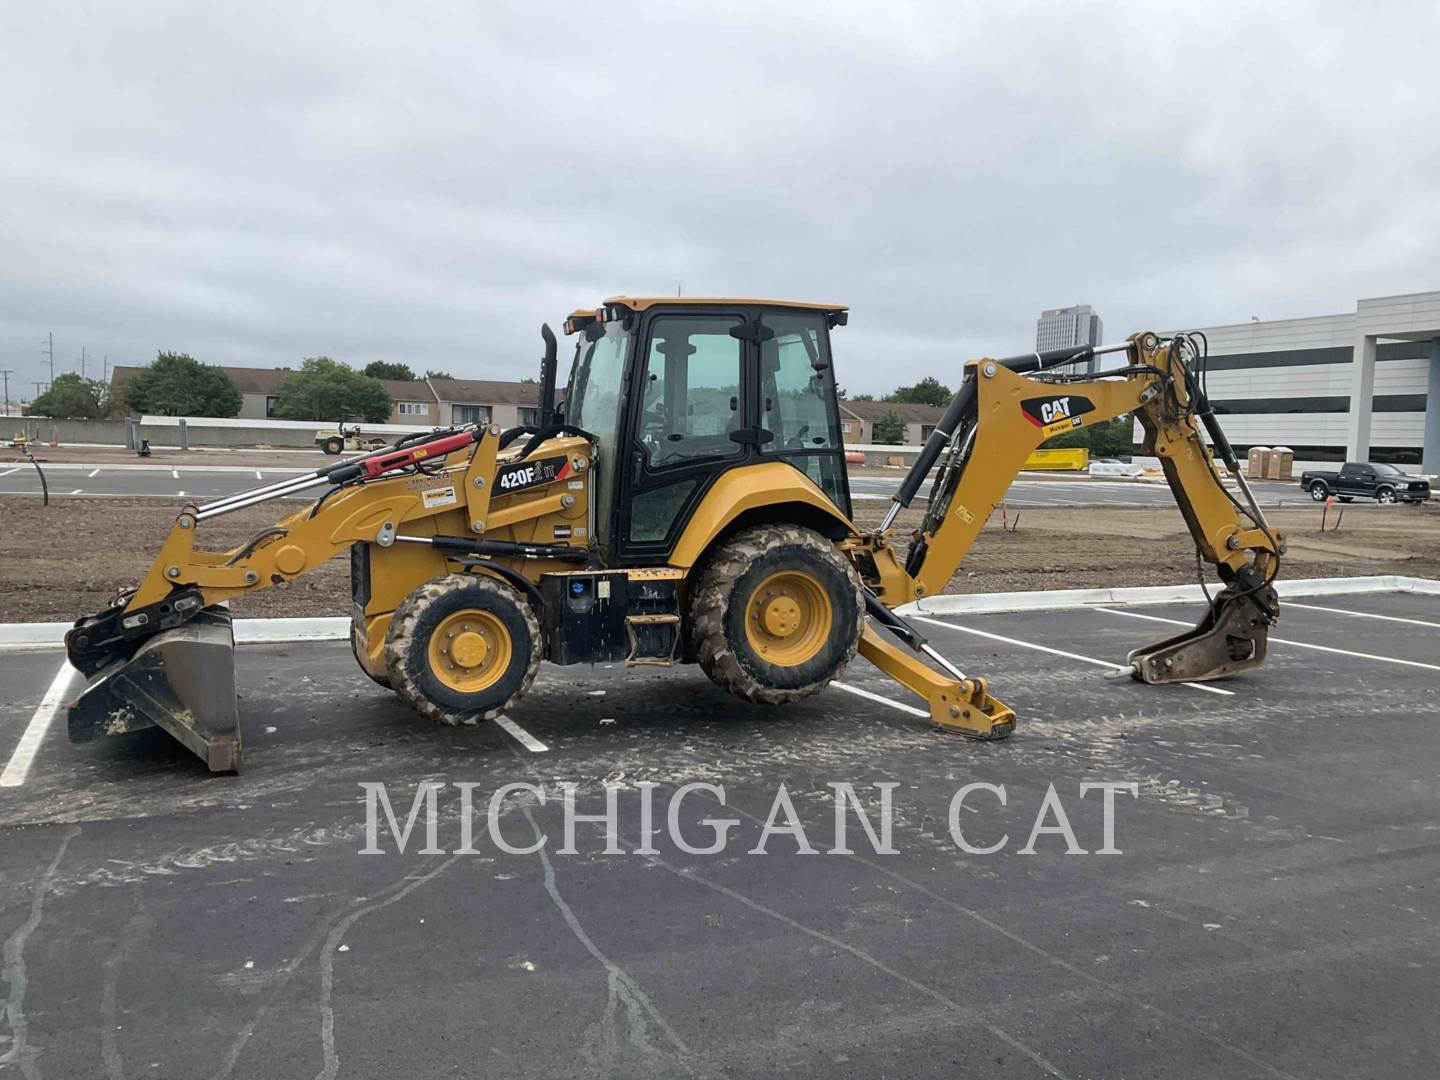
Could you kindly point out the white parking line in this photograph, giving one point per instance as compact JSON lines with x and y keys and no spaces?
{"x":19,"y":765}
{"x":1061,"y":652}
{"x":175,"y":473}
{"x":7,"y":472}
{"x":258,"y":476}
{"x":93,"y":473}
{"x":520,"y":735}
{"x":1362,"y":614}
{"x":77,"y":491}
{"x":882,"y":700}
{"x":180,"y":493}
{"x":1285,"y":641}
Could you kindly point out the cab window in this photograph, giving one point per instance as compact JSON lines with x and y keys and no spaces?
{"x":691,"y":395}
{"x":794,"y":385}
{"x":592,"y":401}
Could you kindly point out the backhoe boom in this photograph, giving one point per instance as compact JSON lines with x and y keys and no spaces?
{"x":1005,"y":409}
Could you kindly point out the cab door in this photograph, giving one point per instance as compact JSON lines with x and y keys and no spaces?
{"x":796,"y":406}
{"x":689,"y":419}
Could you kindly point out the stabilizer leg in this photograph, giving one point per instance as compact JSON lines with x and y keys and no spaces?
{"x":960,"y":705}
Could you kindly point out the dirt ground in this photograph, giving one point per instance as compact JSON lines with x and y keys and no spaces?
{"x":68,"y":559}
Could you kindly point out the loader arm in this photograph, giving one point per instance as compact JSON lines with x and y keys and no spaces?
{"x":1004,"y":410}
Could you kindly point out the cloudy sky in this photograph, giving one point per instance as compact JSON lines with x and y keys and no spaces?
{"x":258,"y":182}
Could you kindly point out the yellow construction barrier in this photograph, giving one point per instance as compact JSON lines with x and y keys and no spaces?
{"x":1060,"y":460}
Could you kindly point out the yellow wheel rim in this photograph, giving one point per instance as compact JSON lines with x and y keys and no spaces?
{"x":788,"y":618}
{"x":470,"y":651}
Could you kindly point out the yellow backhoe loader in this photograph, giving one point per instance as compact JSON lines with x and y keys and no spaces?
{"x":688,"y":502}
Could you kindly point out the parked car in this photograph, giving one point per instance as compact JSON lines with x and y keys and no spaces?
{"x":1366,"y":480}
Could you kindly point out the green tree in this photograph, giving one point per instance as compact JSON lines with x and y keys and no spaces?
{"x":889,"y":429}
{"x":325,"y":389}
{"x":928,"y":391}
{"x":438,"y":375}
{"x":384,"y":369}
{"x":1112,"y":438}
{"x":862,"y":397}
{"x":176,"y":384}
{"x":72,"y":398}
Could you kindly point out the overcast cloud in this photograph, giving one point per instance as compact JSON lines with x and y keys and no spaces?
{"x":255,"y":183}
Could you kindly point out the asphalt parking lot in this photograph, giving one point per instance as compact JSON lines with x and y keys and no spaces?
{"x":1273,"y":911}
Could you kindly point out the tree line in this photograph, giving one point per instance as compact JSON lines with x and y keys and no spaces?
{"x":176,"y":384}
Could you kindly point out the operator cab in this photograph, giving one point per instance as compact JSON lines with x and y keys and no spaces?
{"x":677,"y":392}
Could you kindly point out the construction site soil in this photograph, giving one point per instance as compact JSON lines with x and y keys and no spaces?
{"x":68,"y":559}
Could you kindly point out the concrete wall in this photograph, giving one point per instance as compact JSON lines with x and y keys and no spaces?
{"x":112,"y":433}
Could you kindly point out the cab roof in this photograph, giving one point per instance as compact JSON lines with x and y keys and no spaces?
{"x":640,"y":303}
{"x":580,"y":316}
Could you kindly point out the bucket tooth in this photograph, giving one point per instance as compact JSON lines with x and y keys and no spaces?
{"x":181,"y":680}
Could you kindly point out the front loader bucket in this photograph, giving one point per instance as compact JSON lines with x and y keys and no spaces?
{"x":182,"y":680}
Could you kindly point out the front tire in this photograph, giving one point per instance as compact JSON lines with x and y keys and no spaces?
{"x":776,"y":614}
{"x":462,"y":648}
{"x":1318,"y":491}
{"x":1385,"y":496}
{"x":333,"y":445}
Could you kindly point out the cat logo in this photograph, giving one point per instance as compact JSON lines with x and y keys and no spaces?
{"x":1059,"y":409}
{"x":1058,"y":412}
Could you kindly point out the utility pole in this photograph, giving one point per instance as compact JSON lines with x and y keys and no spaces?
{"x":82,"y":361}
{"x":105,"y":370}
{"x":5,"y":374}
{"x":50,"y":352}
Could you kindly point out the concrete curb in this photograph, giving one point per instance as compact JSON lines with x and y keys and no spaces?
{"x":1058,"y":599}
{"x":16,"y":637}
{"x":49,"y":635}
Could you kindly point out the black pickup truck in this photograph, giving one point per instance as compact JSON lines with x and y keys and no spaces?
{"x":1366,"y":480}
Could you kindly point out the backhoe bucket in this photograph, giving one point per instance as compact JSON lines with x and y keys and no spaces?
{"x":182,"y":680}
{"x":1230,"y":638}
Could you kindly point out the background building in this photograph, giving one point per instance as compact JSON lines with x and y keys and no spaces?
{"x":857,"y":421}
{"x":1362,"y":385}
{"x":478,"y":401}
{"x":1069,"y":327}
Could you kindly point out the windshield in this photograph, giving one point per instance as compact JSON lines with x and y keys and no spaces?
{"x":593,"y":399}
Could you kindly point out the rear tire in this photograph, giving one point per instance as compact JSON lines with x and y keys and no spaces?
{"x":776,"y":614}
{"x":1319,"y":490}
{"x":462,"y":648}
